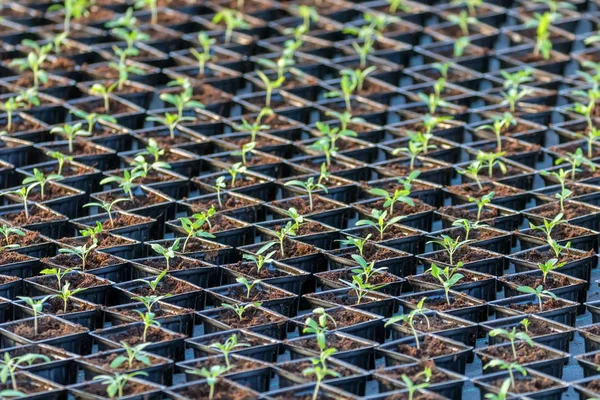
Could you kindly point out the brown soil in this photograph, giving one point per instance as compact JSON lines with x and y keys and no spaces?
{"x":547,"y":305}
{"x":552,"y":281}
{"x":167,"y":285}
{"x":525,"y":353}
{"x":466,"y":255}
{"x":344,"y":318}
{"x":94,"y":260}
{"x":257,"y":294}
{"x":23,"y":125}
{"x":51,"y":192}
{"x":139,"y":201}
{"x":55,"y":306}
{"x":307,"y":228}
{"x":512,"y":147}
{"x":131,"y":389}
{"x":561,"y":232}
{"x":344,"y":299}
{"x":97,"y":106}
{"x":80,"y":148}
{"x":105,"y":240}
{"x":346,"y":274}
{"x":27,"y":386}
{"x":76,"y":281}
{"x":103,"y":360}
{"x":293,"y":249}
{"x":478,"y":234}
{"x":415,"y":373}
{"x":400,"y":209}
{"x":251,"y":160}
{"x":250,"y":270}
{"x":133,"y":335}
{"x":296,"y":368}
{"x":229,"y":203}
{"x":26,"y":80}
{"x":371,"y":252}
{"x":252,"y":317}
{"x":122,"y":220}
{"x":237,"y":366}
{"x":36,"y":216}
{"x":48,"y":328}
{"x":572,"y":210}
{"x":241,"y":337}
{"x":175,"y":264}
{"x":223,"y":391}
{"x":472,"y":190}
{"x":538,"y":257}
{"x":441,"y":304}
{"x":436,"y":324}
{"x":340,"y":343}
{"x":68,"y":170}
{"x":261,"y":141}
{"x":302,"y":205}
{"x":4,"y":279}
{"x":429,"y":347}
{"x":240,"y":181}
{"x":392,"y":232}
{"x":468,"y":277}
{"x":471,"y":215}
{"x":528,"y":385}
{"x":10,"y":257}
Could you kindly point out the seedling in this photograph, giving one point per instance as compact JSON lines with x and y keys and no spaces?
{"x":170,"y":121}
{"x":481,"y":203}
{"x":259,"y":260}
{"x":562,"y":196}
{"x":150,"y":301}
{"x":586,"y":110}
{"x":557,"y":248}
{"x":220,"y":185}
{"x":65,"y":295}
{"x":348,"y":85}
{"x":99,"y":89}
{"x":240,"y":309}
{"x":361,"y":286}
{"x":246,"y":148}
{"x":232,"y":20}
{"x":256,"y":127}
{"x":366,"y":270}
{"x":359,"y":75}
{"x":448,"y":277}
{"x":249,"y":285}
{"x":538,"y":292}
{"x":72,"y":9}
{"x":34,"y":61}
{"x":58,"y":273}
{"x":310,"y":186}
{"x":356,"y":242}
{"x":410,"y":319}
{"x":334,"y":133}
{"x":154,"y":282}
{"x":106,"y":206}
{"x":167,"y":252}
{"x":194,"y":228}
{"x":491,"y":160}
{"x":391,"y":199}
{"x":412,"y":387}
{"x":543,"y":44}
{"x":234,"y":171}
{"x":6,"y":231}
{"x":319,"y":329}
{"x":460,"y":45}
{"x":10,"y":107}
{"x":61,"y":159}
{"x":133,"y":353}
{"x":10,"y":366}
{"x":70,"y":133}
{"x":381,"y":224}
{"x":413,"y":150}
{"x":468,"y":226}
{"x":37,"y":306}
{"x":463,"y":20}
{"x":211,"y":375}
{"x":81,"y":252}
{"x":38,"y":179}
{"x":397,"y":5}
{"x":472,"y":171}
{"x":283,"y":64}
{"x":512,"y":336}
{"x":434,"y":100}
{"x":320,"y":371}
{"x":183,"y":100}
{"x":548,"y":226}
{"x":513,"y":95}
{"x":510,"y":367}
{"x":148,"y":319}
{"x":22,"y":193}
{"x":115,"y":384}
{"x":502,"y":392}
{"x":452,"y":246}
{"x":152,"y":5}
{"x":226,"y":348}
{"x":576,"y":160}
{"x":497,"y":126}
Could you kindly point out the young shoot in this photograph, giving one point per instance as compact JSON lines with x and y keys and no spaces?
{"x":448,"y":277}
{"x":381,"y":223}
{"x":70,"y":133}
{"x":37,"y":306}
{"x":66,"y":293}
{"x":115,"y":384}
{"x":132,"y":354}
{"x":211,"y":375}
{"x":167,"y":252}
{"x":233,"y":20}
{"x":226,"y":348}
{"x":391,"y":199}
{"x":409,"y":319}
{"x":320,"y":371}
{"x":512,"y":337}
{"x":106,"y":206}
{"x":248,"y":285}
{"x":81,"y":252}
{"x":548,"y":267}
{"x":240,"y":309}
{"x":538,"y":292}
{"x":38,"y":179}
{"x":310,"y":186}
{"x":9,"y":368}
{"x":481,"y":203}
{"x":452,"y":246}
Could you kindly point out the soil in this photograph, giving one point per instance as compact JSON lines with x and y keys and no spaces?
{"x":512,"y":147}
{"x":537,"y":257}
{"x":371,"y":252}
{"x":525,"y":353}
{"x":223,"y":391}
{"x":415,"y":373}
{"x":400,"y":209}
{"x":48,"y":328}
{"x":251,"y":160}
{"x":571,"y":148}
{"x":552,"y":281}
{"x":237,"y":366}
{"x":4,"y":279}
{"x":441,"y":304}
{"x":26,"y":80}
{"x":436,"y":324}
{"x":344,"y":318}
{"x":429,"y":347}
{"x":471,"y":215}
{"x":229,"y":203}
{"x":261,"y":140}
{"x":103,"y":360}
{"x":130,"y":389}
{"x":392,"y":186}
{"x":302,"y":205}
{"x":28,"y":386}
{"x":307,"y":228}
{"x":561,"y":232}
{"x":340,"y":343}
{"x":252,"y":317}
{"x":36,"y":216}
{"x":11,"y":257}
{"x":257,"y":294}
{"x":80,"y":148}
{"x":139,"y":200}
{"x":240,"y":181}
{"x":175,"y":264}
{"x":346,"y":274}
{"x":296,"y":368}
{"x":528,"y":385}
{"x":241,"y":338}
{"x":68,"y":170}
{"x":392,"y":232}
{"x":547,"y":305}
{"x":93,"y":261}
{"x":468,"y":277}
{"x":466,"y":255}
{"x":480,"y":234}
{"x":105,"y":240}
{"x":133,"y":335}
{"x":402,"y":167}
{"x":76,"y":281}
{"x":123,"y":220}
{"x":55,"y":306}
{"x":472,"y":190}
{"x":23,"y":125}
{"x":293,"y":249}
{"x":97,"y":106}
{"x":167,"y":285}
{"x":344,"y":299}
{"x":572,"y":210}
{"x":51,"y":192}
